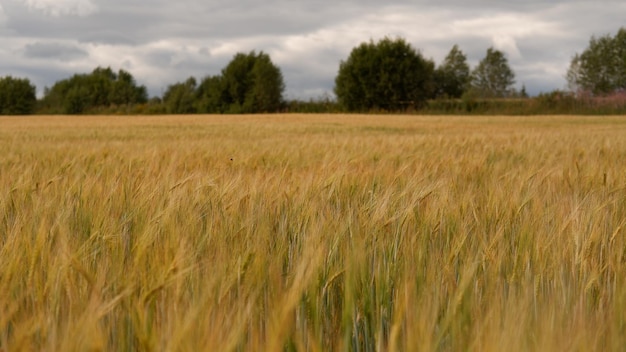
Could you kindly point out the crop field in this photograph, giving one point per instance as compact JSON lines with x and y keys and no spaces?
{"x":312,"y":233}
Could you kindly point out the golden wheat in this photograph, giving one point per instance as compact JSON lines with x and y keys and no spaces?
{"x":312,"y":232}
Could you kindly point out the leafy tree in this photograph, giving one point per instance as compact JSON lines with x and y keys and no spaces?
{"x":124,"y":90}
{"x":266,"y":93}
{"x":76,"y":100}
{"x":453,"y":76}
{"x":388,"y":75}
{"x":100,"y":89}
{"x":601,"y":67}
{"x":251,"y":83}
{"x":237,"y":81}
{"x":17,"y":96}
{"x":180,"y":98}
{"x":493,"y":78}
{"x":211,"y":97}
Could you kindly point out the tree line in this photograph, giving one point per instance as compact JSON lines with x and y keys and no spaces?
{"x":392,"y":76}
{"x":388,"y":75}
{"x":250,"y":83}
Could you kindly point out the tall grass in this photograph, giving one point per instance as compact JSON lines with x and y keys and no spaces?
{"x":553,"y":103}
{"x":318,"y":232}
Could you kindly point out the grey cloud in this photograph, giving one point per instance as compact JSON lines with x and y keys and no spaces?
{"x":162,"y":58}
{"x":138,"y":22}
{"x":54,"y":51}
{"x":165,"y":41}
{"x":109,"y":37}
{"x":60,"y":8}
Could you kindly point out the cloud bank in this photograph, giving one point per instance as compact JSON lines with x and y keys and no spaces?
{"x":163,"y":42}
{"x":62,"y":7}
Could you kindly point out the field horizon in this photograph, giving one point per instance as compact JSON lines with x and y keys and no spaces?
{"x":313,"y":233}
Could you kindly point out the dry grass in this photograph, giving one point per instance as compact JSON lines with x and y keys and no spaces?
{"x":313,"y":232}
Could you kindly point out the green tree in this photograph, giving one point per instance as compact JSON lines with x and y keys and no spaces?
{"x":125,"y":91}
{"x":180,"y":98}
{"x":453,"y":76}
{"x":17,"y":96}
{"x":237,"y":81}
{"x":251,"y":83}
{"x":76,"y":100}
{"x":601,"y":67}
{"x":266,"y":93}
{"x":211,"y":97}
{"x":388,"y":75}
{"x":102,"y":88}
{"x":493,"y":77}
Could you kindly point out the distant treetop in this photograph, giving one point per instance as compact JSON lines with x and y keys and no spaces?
{"x":83,"y":93}
{"x":601,"y":67}
{"x":388,"y":75}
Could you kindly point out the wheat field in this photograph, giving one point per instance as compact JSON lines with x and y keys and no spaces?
{"x":312,"y":233}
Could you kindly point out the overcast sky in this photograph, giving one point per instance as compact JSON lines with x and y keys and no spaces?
{"x":165,"y":41}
